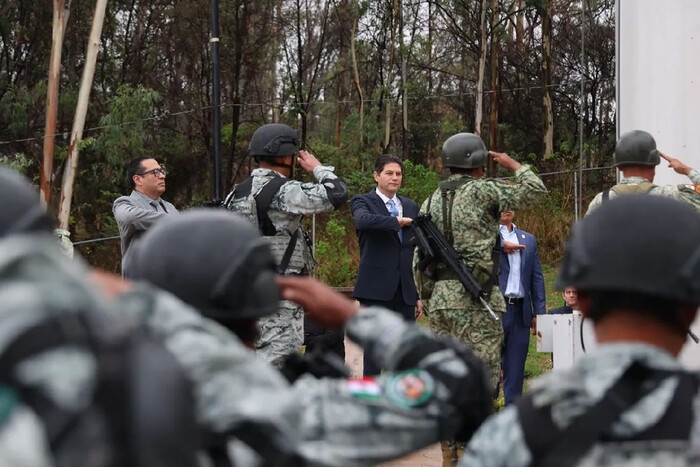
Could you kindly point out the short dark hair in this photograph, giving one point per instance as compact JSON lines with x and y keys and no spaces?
{"x":659,"y":308}
{"x":384,"y":160}
{"x":134,"y":167}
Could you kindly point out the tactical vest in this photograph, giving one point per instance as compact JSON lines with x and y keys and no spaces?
{"x":550,"y":445}
{"x":140,"y":412}
{"x":627,"y":189}
{"x":448,"y":189}
{"x":291,"y":252}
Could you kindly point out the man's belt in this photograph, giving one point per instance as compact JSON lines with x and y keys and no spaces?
{"x":513,"y":300}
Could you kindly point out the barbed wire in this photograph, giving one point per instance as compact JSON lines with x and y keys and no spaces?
{"x":165,"y":115}
{"x":545,"y":174}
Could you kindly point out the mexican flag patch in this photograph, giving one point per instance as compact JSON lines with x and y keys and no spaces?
{"x":365,"y":388}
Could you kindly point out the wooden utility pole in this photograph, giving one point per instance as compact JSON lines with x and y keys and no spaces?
{"x":61,"y":12}
{"x":495,"y":87}
{"x":479,"y":107}
{"x":76,"y":135}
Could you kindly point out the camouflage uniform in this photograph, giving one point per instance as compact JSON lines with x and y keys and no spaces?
{"x":36,"y":282}
{"x":283,"y":333}
{"x":476,"y":210}
{"x":500,"y":440}
{"x":329,"y":422}
{"x":685,"y":193}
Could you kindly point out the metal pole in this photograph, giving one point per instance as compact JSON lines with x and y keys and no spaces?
{"x":216,"y":100}
{"x":583,"y":105}
{"x":313,"y":234}
{"x":575,"y":196}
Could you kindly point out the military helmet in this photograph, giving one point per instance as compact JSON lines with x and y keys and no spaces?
{"x":213,"y":260}
{"x":274,"y":140}
{"x":636,"y":148}
{"x":20,"y":210}
{"x":464,"y":151}
{"x":642,"y":244}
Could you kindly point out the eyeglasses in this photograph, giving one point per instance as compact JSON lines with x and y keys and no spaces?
{"x":155,"y":172}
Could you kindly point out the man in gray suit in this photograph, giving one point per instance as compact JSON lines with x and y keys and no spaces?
{"x":137,"y":212}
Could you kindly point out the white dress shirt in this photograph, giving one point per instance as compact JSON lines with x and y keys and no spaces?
{"x":514,"y":288}
{"x":395,"y":199}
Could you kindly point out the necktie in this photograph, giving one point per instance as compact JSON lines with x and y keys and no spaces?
{"x":394,"y":211}
{"x":156,"y":203}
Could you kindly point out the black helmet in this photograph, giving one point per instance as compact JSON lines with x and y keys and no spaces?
{"x":20,"y":210}
{"x":464,"y":151}
{"x":642,"y":244}
{"x":214,"y":260}
{"x":274,"y":140}
{"x":636,"y":148}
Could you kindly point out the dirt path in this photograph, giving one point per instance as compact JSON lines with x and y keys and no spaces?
{"x":428,"y":457}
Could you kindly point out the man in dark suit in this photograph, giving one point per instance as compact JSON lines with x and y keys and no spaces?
{"x":522,"y":285}
{"x":383,"y":222}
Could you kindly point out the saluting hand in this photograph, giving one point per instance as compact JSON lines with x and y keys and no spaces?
{"x":676,"y":165}
{"x":509,"y":247}
{"x":308,"y":161}
{"x":504,"y":160}
{"x":324,"y":304}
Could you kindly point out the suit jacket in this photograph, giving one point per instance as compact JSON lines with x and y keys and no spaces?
{"x":135,"y":214}
{"x":384,"y":259}
{"x":530,"y":275}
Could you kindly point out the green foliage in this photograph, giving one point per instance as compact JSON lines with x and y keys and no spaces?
{"x":17,"y":162}
{"x":124,"y":134}
{"x":334,"y":263}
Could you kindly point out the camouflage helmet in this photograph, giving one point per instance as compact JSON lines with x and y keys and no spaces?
{"x":274,"y":140}
{"x":658,"y":254}
{"x":213,"y":260}
{"x":636,"y":148}
{"x":20,"y":210}
{"x":464,"y":151}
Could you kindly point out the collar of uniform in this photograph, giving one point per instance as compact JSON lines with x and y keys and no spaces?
{"x":459,"y":177}
{"x":144,"y":197}
{"x":260,"y":172}
{"x":633,"y":180}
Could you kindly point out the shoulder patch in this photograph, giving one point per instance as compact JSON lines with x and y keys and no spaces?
{"x":410,"y":388}
{"x":8,"y":402}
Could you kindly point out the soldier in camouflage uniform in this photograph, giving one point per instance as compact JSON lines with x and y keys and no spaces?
{"x":466,"y":208}
{"x":637,"y":157}
{"x":276,"y":204}
{"x":628,"y":402}
{"x":432,"y":388}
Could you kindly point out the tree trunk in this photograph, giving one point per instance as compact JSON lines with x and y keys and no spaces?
{"x":404,"y":104}
{"x":80,"y":114}
{"x":355,"y":71}
{"x":479,"y":107}
{"x":392,"y":51}
{"x":495,"y":87}
{"x":547,"y":112}
{"x":61,"y":12}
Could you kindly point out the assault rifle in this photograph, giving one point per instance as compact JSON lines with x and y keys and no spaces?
{"x":433,"y":247}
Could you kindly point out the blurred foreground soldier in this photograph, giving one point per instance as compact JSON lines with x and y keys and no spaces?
{"x":78,"y":386}
{"x":467,"y":209}
{"x":432,"y":389}
{"x":637,"y":157}
{"x":276,"y":204}
{"x":627,"y":402}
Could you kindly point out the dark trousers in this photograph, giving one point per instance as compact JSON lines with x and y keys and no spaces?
{"x":516,"y":340}
{"x":396,"y":304}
